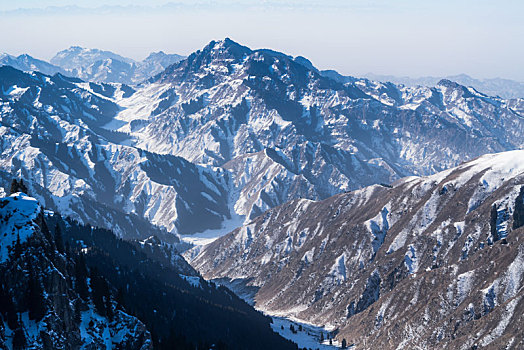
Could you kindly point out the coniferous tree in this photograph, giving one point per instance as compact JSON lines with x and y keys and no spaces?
{"x":23,"y":187}
{"x":18,"y":247}
{"x":81,"y":277}
{"x":18,"y":186}
{"x":67,"y":249}
{"x":3,"y":296}
{"x":344,"y":343}
{"x":78,"y":313}
{"x":14,"y":186}
{"x":10,"y":311}
{"x":109,"y":310}
{"x":35,"y":297}
{"x":120,"y":299}
{"x":59,"y":242}
{"x":100,"y":294}
{"x":19,"y":339}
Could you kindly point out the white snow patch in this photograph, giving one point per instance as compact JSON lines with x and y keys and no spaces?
{"x":338,"y":270}
{"x":411,"y":259}
{"x":398,"y":242}
{"x":309,"y":337}
{"x":208,"y":236}
{"x":192,"y":280}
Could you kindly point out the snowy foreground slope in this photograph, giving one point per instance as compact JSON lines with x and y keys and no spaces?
{"x":38,"y":302}
{"x":18,"y":213}
{"x":430,"y":262}
{"x":228,"y":133}
{"x":69,"y":286}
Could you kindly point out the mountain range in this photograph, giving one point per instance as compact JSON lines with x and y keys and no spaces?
{"x":95,"y":65}
{"x":231,"y":132}
{"x":505,"y":88}
{"x":353,"y":198}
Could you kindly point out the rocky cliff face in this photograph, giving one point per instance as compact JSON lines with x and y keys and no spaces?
{"x":429,"y":262}
{"x":40,"y":306}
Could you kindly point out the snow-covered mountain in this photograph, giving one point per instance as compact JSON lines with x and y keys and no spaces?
{"x":229,"y":133}
{"x":105,"y":66}
{"x":94,"y":65}
{"x":27,"y":63}
{"x":232,"y":132}
{"x":155,"y":63}
{"x":285,"y":131}
{"x":77,"y":57}
{"x":52,"y":135}
{"x":505,"y":88}
{"x":429,"y":262}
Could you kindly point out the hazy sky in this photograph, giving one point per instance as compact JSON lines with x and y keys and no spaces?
{"x":399,"y":37}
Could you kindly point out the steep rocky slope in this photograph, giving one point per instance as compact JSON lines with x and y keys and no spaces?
{"x":40,"y":308}
{"x":430,"y":262}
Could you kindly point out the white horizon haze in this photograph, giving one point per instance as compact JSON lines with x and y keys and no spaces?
{"x":354,"y":37}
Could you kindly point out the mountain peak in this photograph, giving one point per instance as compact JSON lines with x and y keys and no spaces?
{"x":448,"y":84}
{"x":24,"y":56}
{"x":305,"y":62}
{"x":227,"y":45}
{"x":215,"y":54}
{"x":75,"y":48}
{"x":156,"y":54}
{"x":165,"y":59}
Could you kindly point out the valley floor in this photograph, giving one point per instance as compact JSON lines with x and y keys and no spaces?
{"x":309,"y":337}
{"x":208,"y":236}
